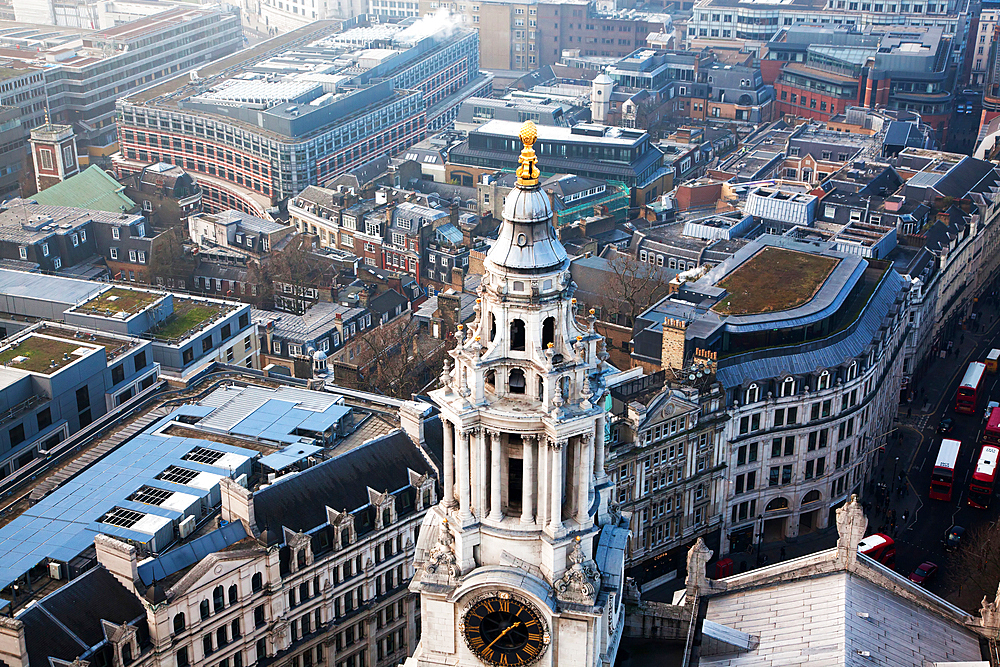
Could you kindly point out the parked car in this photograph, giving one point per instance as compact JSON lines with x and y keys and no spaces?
{"x":924,"y":573}
{"x":946,"y":425}
{"x":953,"y":538}
{"x":989,"y":409}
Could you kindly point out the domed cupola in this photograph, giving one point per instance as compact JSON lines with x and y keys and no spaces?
{"x":527,"y":241}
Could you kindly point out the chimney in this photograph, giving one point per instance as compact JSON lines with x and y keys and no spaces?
{"x":412,"y":418}
{"x":457,"y":279}
{"x":237,"y":504}
{"x":119,"y":558}
{"x":13,"y":648}
{"x":363,"y":298}
{"x":672,"y":352}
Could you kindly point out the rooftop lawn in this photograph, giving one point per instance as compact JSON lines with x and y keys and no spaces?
{"x":774,"y":279}
{"x":187,"y":316}
{"x":39,"y":352}
{"x":118,"y":299}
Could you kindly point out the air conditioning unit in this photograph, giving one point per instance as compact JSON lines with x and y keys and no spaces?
{"x":55,"y":571}
{"x":186,"y":527}
{"x":242,"y":480}
{"x":270,"y":477}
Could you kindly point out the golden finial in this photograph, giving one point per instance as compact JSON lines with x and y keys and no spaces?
{"x":527,"y":171}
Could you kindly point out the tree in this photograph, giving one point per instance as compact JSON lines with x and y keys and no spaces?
{"x":631,"y":287}
{"x":974,"y":568}
{"x":396,"y":360}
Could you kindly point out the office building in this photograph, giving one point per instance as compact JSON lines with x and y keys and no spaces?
{"x":587,"y":150}
{"x":269,"y":126}
{"x":86,"y":71}
{"x":807,"y":414}
{"x":188,"y":333}
{"x":824,"y":70}
{"x":13,"y":152}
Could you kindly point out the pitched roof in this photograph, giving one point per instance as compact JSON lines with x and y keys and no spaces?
{"x":56,"y":625}
{"x":93,"y":189}
{"x":298,"y":502}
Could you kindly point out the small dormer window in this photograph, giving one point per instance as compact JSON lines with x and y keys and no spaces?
{"x":824,"y":381}
{"x":753,"y":393}
{"x":788,"y":387}
{"x":852,"y":371}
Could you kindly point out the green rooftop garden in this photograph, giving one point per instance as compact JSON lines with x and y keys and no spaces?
{"x":773,"y":280}
{"x":119,"y":300}
{"x":36,"y":353}
{"x":188,"y":315}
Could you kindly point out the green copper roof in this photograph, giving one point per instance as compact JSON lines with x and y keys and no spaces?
{"x":94,"y":189}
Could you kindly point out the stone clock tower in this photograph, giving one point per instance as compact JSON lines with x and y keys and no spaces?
{"x":521,"y":562}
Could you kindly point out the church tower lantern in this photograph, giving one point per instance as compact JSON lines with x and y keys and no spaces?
{"x":522,"y":561}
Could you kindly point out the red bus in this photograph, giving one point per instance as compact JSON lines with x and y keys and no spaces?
{"x":944,"y":469}
{"x":991,"y":434}
{"x":981,"y":486}
{"x":879,"y":547}
{"x":968,"y":392}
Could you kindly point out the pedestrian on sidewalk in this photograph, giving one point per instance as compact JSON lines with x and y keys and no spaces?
{"x":782,"y":553}
{"x":905,"y":515}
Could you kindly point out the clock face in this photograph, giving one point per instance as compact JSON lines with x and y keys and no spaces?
{"x":503,"y":630}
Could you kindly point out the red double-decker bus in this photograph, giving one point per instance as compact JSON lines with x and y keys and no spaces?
{"x":968,"y":392}
{"x":991,"y":434}
{"x":981,"y":486}
{"x":879,"y":547}
{"x":944,"y":469}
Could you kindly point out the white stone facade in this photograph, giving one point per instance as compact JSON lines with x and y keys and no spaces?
{"x":787,"y":473}
{"x":525,"y":509}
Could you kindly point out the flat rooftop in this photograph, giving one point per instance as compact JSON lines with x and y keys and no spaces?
{"x":41,"y":354}
{"x":774,"y":279}
{"x":189,"y":315}
{"x":118,"y":301}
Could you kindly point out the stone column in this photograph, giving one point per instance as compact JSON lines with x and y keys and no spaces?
{"x":496,"y":512}
{"x":543,"y":480}
{"x":465,"y":513}
{"x":599,"y":448}
{"x":528,"y":480}
{"x":584,"y":475}
{"x":482,"y":473}
{"x":556,"y":490}
{"x":449,"y":464}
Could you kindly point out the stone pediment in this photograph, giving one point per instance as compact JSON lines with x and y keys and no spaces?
{"x":213,"y":567}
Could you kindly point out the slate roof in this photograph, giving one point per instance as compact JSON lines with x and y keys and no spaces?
{"x":386,"y":302}
{"x":299,"y":502}
{"x":56,"y":625}
{"x":92,"y":188}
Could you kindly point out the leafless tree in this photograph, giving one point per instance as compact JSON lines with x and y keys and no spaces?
{"x":393,"y":361}
{"x":974,"y":568}
{"x":631,"y":287}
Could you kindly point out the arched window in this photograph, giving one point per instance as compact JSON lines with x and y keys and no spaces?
{"x":824,"y":381}
{"x":257,"y":582}
{"x":541,"y":389}
{"x":516,"y":382}
{"x":493,"y":327}
{"x":564,"y":387}
{"x":517,"y":335}
{"x":852,"y":371}
{"x":753,"y":393}
{"x":218,"y":599}
{"x":776,"y":505}
{"x":811,"y":497}
{"x":548,"y":331}
{"x":234,"y":594}
{"x":491,"y":381}
{"x":203,"y":607}
{"x":179,"y":623}
{"x":788,"y":387}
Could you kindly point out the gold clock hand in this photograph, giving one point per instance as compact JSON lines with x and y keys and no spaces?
{"x":500,"y":636}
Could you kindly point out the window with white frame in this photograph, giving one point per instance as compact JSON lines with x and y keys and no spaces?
{"x":57,"y":262}
{"x":83,"y":236}
{"x":788,"y":387}
{"x":114,"y":253}
{"x":142,"y":257}
{"x":23,"y":252}
{"x":753,"y":393}
{"x":116,"y":233}
{"x":824,"y":381}
{"x":852,"y":371}
{"x":45,"y":249}
{"x":75,"y":239}
{"x":131,"y":256}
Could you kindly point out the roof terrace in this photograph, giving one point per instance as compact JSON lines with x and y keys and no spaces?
{"x":119,"y":302}
{"x":188,"y":317}
{"x":774,"y":279}
{"x":40,"y":354}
